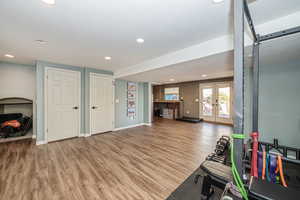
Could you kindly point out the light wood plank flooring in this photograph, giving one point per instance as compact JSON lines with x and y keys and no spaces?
{"x":142,"y":163}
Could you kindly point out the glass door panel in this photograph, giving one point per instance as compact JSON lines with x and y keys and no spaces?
{"x":207,"y":103}
{"x":223,"y":103}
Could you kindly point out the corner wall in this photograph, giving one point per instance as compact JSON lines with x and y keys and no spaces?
{"x":121,"y":118}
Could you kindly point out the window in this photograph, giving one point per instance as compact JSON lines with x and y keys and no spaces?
{"x":172,"y":93}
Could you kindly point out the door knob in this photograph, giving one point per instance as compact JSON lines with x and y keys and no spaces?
{"x":94,"y":107}
{"x":75,"y":107}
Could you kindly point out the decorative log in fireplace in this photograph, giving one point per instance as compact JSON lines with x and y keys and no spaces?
{"x":15,"y":119}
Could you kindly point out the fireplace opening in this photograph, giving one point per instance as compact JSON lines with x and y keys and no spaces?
{"x":15,"y":119}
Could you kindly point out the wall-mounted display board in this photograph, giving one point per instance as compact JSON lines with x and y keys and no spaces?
{"x":131,"y":100}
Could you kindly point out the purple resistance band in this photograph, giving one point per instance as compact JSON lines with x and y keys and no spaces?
{"x":273,"y":166}
{"x":260,"y":163}
{"x":267,"y":167}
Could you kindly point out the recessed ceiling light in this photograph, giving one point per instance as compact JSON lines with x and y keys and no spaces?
{"x":140,"y":40}
{"x":50,"y":2}
{"x":9,"y":56}
{"x":204,"y":75}
{"x":172,"y":79}
{"x":41,"y":41}
{"x":218,"y":1}
{"x":107,"y":58}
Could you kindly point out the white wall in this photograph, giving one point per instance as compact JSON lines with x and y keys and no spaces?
{"x":18,"y":80}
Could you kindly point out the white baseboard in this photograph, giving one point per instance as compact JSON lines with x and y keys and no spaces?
{"x":33,"y":136}
{"x":148,"y":124}
{"x":41,"y":142}
{"x":84,"y":135}
{"x":87,"y":135}
{"x":131,"y":126}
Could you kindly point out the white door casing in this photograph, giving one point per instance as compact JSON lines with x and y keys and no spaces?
{"x":101,"y":105}
{"x":62,"y":104}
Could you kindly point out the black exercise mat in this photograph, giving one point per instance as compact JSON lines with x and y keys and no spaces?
{"x":188,"y":190}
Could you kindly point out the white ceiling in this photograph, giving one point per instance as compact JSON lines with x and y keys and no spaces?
{"x":282,"y":50}
{"x":215,"y":66}
{"x":81,"y":33}
{"x":277,"y":51}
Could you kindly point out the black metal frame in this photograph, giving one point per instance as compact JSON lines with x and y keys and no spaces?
{"x":241,"y":9}
{"x":239,"y":83}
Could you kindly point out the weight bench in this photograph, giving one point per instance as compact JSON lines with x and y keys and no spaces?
{"x":216,"y":174}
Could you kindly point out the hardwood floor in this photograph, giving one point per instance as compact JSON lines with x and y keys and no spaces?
{"x":134,"y":164}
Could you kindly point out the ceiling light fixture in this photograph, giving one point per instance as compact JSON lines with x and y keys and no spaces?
{"x":140,"y":40}
{"x":107,"y":58}
{"x":9,"y":56}
{"x":41,"y":41}
{"x":204,"y":75}
{"x":172,"y":79}
{"x":218,"y":1}
{"x":50,"y":2}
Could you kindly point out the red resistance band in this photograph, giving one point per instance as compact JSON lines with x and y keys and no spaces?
{"x":254,"y":171}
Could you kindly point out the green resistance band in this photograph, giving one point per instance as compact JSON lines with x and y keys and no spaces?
{"x":234,"y":170}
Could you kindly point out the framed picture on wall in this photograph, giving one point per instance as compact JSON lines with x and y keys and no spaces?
{"x":131,"y":100}
{"x":131,"y":113}
{"x":131,"y":94}
{"x":131,"y":86}
{"x":131,"y":104}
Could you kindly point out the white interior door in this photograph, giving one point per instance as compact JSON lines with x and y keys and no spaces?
{"x":216,"y":102}
{"x":62,"y":104}
{"x":101,"y":103}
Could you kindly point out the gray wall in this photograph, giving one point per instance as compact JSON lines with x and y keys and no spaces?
{"x":279,"y":114}
{"x":279,"y":97}
{"x":121,"y":119}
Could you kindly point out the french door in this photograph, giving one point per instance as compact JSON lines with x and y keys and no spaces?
{"x":216,"y":102}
